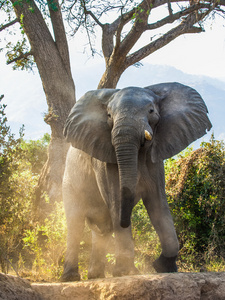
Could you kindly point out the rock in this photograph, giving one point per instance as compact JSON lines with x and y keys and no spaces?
{"x":16,"y":288}
{"x":176,"y":286}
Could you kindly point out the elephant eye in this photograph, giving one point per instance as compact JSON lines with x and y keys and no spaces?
{"x":151,"y":110}
{"x":109,"y":115}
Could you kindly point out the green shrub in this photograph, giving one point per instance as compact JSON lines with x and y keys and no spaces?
{"x":46,"y":243}
{"x":195,"y":188}
{"x":17,"y":191}
{"x":147,"y":245}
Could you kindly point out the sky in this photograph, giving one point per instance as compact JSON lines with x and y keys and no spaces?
{"x":199,"y":54}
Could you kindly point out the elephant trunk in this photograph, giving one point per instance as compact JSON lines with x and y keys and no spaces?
{"x":127,"y":159}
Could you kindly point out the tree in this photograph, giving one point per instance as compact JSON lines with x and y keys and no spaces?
{"x":119,"y":38}
{"x":51,"y":55}
{"x":50,"y":51}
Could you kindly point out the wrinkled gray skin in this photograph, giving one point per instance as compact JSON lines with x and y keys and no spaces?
{"x":113,"y":163}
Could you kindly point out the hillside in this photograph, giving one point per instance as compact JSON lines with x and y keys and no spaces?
{"x":27,"y":106}
{"x":211,"y":90}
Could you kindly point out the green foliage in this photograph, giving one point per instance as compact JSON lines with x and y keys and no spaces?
{"x":147,"y":245}
{"x":45,"y":242}
{"x":12,"y":209}
{"x":10,"y":154}
{"x":25,"y":243}
{"x":35,"y":152}
{"x":196,"y":193}
{"x":20,"y":54}
{"x":17,"y":188}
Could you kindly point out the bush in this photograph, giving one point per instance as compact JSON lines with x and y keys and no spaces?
{"x":18,"y":179}
{"x":13,"y":210}
{"x":46,"y":243}
{"x":147,"y":245}
{"x":195,"y":188}
{"x":35,"y":152}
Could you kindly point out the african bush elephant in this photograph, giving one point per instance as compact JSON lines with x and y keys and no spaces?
{"x":119,"y":141}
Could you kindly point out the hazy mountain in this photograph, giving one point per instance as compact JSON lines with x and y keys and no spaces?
{"x":26,"y":100}
{"x":211,"y":90}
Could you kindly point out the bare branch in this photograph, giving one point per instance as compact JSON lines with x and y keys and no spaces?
{"x":119,"y":25}
{"x":88,"y":12}
{"x":115,"y":28}
{"x":122,"y":20}
{"x":169,"y":7}
{"x":139,"y":26}
{"x":59,"y":32}
{"x":9,"y":24}
{"x":177,"y":16}
{"x":187,"y":26}
{"x":158,"y":3}
{"x":21,"y":56}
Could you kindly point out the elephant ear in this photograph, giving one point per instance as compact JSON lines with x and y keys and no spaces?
{"x":183,"y":119}
{"x":86,"y":127}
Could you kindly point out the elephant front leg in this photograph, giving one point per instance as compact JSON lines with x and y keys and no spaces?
{"x":74,"y":235}
{"x":161,"y":219}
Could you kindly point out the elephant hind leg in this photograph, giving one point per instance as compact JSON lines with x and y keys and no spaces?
{"x":125,"y":266}
{"x":124,"y":253}
{"x":98,"y":256}
{"x":75,"y":226}
{"x":70,"y":273}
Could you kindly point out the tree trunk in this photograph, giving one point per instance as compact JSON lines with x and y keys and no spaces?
{"x":111,"y":75}
{"x":52,"y":59}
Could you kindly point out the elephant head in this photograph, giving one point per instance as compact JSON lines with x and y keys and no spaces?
{"x":113,"y":125}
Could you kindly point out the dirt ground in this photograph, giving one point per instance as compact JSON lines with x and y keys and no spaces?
{"x":15,"y":288}
{"x":176,"y":286}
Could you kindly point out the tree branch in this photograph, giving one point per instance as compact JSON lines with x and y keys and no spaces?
{"x":142,"y":12}
{"x":177,"y":16}
{"x":122,"y":20}
{"x":21,"y":56}
{"x":158,"y":3}
{"x":169,"y":7}
{"x":187,"y":26}
{"x":59,"y":32}
{"x":109,"y":30}
{"x":90,"y":13}
{"x":9,"y":24}
{"x":119,"y":25}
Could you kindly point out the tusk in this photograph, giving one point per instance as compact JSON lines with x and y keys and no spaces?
{"x":148,"y":135}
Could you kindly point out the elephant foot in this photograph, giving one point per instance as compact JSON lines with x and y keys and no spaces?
{"x":71,"y":275}
{"x":165,"y":264}
{"x":94,"y":274}
{"x":96,"y":270}
{"x":124,"y":266}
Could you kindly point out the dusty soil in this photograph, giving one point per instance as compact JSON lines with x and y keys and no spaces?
{"x":179,"y":286}
{"x":15,"y":288}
